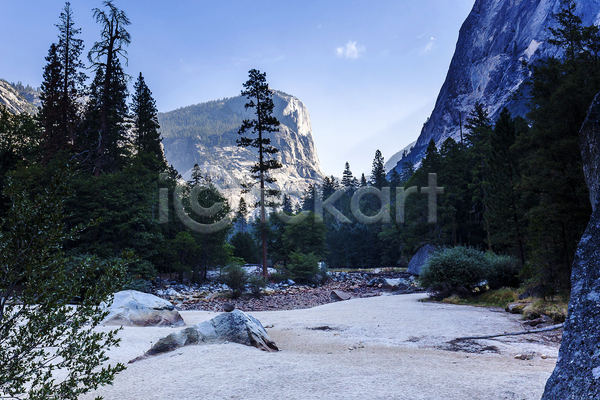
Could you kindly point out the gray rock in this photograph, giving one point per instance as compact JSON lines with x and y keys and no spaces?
{"x":577,"y":371}
{"x":236,"y":326}
{"x":339,"y":295}
{"x":133,"y":308}
{"x":394,"y":282}
{"x":589,"y":142}
{"x":418,"y":260}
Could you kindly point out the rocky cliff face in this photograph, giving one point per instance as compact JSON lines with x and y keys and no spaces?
{"x":578,"y":365}
{"x":18,"y":102}
{"x":487,"y":63}
{"x":206,"y":134}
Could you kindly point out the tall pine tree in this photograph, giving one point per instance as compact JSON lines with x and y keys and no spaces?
{"x":112,"y":108}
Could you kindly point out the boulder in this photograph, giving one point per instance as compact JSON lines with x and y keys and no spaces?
{"x":235,"y":326}
{"x":339,"y":295}
{"x":577,"y":371}
{"x":133,"y":308}
{"x":419,"y":259}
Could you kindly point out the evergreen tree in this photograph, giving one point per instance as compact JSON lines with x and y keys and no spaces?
{"x":287,"y":204}
{"x":477,"y":138}
{"x":145,"y":120}
{"x":73,"y":79}
{"x":112,"y":108}
{"x":378,"y":175}
{"x":348,"y":180}
{"x":103,"y":138}
{"x":50,"y":115}
{"x":261,"y":99}
{"x":62,"y":89}
{"x":363,"y":180}
{"x":241,"y":215}
{"x":504,"y":214}
{"x":408,"y":169}
{"x":330,"y":185}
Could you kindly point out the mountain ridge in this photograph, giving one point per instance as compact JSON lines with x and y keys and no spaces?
{"x":206,"y":134}
{"x":496,"y":37}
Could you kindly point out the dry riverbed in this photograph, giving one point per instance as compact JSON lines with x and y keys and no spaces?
{"x":384,"y":347}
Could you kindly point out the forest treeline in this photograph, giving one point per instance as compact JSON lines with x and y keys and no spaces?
{"x":513,"y":186}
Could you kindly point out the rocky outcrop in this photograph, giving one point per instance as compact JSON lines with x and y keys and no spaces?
{"x":235,"y":326}
{"x":589,"y":142}
{"x":494,"y":40}
{"x":206,"y":134}
{"x":133,"y":308}
{"x":419,"y":259}
{"x":577,"y":371}
{"x":16,"y":102}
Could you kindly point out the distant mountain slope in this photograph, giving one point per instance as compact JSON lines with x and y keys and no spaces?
{"x":206,"y":134}
{"x":487,"y":63}
{"x":18,"y":98}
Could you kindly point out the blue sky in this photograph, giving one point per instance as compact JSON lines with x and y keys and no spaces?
{"x":368,"y":71}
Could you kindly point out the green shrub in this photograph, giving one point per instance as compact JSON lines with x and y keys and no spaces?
{"x":503,"y":271}
{"x":457,"y":270}
{"x":304,"y":268}
{"x":236,"y":278}
{"x":257,"y":284}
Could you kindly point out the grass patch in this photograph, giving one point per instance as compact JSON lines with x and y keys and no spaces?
{"x":491,"y":298}
{"x":555,"y":308}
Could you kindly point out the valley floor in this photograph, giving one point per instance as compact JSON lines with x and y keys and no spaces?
{"x":385,"y":347}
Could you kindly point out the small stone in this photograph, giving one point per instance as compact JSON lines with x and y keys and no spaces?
{"x":228,"y":307}
{"x":544,"y":356}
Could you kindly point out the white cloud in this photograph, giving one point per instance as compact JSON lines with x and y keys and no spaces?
{"x":429,"y":47}
{"x":351,"y":50}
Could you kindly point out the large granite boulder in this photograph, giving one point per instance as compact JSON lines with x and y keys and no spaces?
{"x":235,"y":326}
{"x":577,"y":371}
{"x":419,"y":259}
{"x":133,"y":308}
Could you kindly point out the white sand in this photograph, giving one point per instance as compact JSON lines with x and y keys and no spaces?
{"x":395,"y":355}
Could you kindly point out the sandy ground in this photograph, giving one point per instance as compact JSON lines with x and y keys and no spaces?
{"x":388,"y":347}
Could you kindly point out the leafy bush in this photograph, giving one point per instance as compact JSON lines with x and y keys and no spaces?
{"x":456,"y":270}
{"x":304,"y":268}
{"x":502,"y":271}
{"x":236,"y":278}
{"x":256,"y":283}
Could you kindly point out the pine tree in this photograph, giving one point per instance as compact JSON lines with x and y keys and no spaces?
{"x":112,"y":108}
{"x":105,"y":147}
{"x":503,"y":212}
{"x":286,"y":204}
{"x":145,"y":120}
{"x":241,"y":214}
{"x":50,"y":115}
{"x":378,"y":174}
{"x":408,"y":169}
{"x":330,"y":185}
{"x":363,"y":180}
{"x":73,"y":79}
{"x":348,"y":179}
{"x":62,"y":89}
{"x":261,"y":99}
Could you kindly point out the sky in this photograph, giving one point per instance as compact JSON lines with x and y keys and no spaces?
{"x":369,"y":72}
